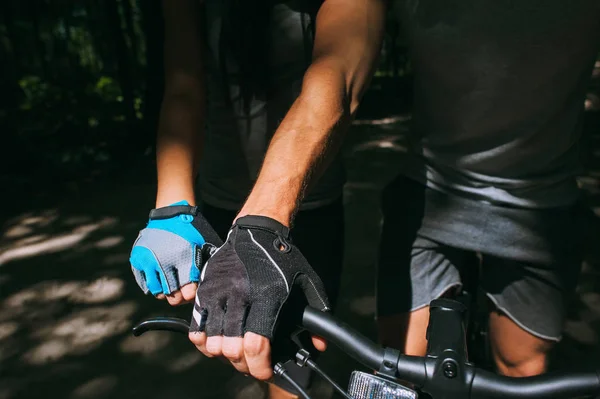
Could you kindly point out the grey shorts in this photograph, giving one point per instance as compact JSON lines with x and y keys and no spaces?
{"x":415,"y":268}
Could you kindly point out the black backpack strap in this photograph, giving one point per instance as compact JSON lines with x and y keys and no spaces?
{"x":168,"y":212}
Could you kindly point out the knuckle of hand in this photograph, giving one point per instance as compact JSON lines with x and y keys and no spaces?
{"x":262,"y":374}
{"x":254,"y":346}
{"x":213,"y":349}
{"x":233,"y":353}
{"x":188,"y":296}
{"x":197,"y":339}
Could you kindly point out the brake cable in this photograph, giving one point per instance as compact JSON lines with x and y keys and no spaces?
{"x":303,"y":360}
{"x":280,"y":370}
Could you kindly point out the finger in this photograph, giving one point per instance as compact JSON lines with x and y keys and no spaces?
{"x":140,"y":278}
{"x":257,"y":351}
{"x":214,"y":319}
{"x":199,"y":340}
{"x":160,"y":296}
{"x":319,"y":343}
{"x":214,"y":345}
{"x":145,"y":261}
{"x":153,"y":282}
{"x":314,"y":291}
{"x":233,"y":350}
{"x":233,"y":323}
{"x":188,"y":291}
{"x":175,"y":298}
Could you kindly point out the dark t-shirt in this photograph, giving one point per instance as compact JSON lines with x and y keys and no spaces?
{"x":500,"y":88}
{"x":235,"y":142}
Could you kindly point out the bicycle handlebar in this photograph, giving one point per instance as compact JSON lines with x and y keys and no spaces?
{"x":421,"y":371}
{"x":481,"y":383}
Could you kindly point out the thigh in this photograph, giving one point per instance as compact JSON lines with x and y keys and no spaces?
{"x":409,"y":282}
{"x":533,"y":296}
{"x":405,"y":291}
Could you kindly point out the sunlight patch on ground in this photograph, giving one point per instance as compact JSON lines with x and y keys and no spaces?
{"x":22,"y":250}
{"x":383,"y":121}
{"x":42,"y":219}
{"x":47,"y":352}
{"x":185,"y":361}
{"x":146,"y":344}
{"x":95,"y":388}
{"x":18,"y":231}
{"x":391,"y":143}
{"x":49,"y":246}
{"x":109,"y":242}
{"x":7,"y":329}
{"x":79,"y":332}
{"x":103,"y":289}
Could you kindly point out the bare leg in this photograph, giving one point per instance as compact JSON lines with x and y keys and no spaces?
{"x":405,"y":332}
{"x":517,"y":353}
{"x":276,"y":392}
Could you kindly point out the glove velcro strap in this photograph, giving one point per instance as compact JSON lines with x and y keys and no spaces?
{"x":263,"y":223}
{"x":168,"y":212}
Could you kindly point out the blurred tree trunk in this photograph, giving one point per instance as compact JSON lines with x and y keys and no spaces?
{"x":100,"y":38}
{"x":153,"y":26}
{"x":9,"y":81}
{"x":11,"y":33}
{"x":39,"y":41}
{"x":132,"y":39}
{"x":123,"y":64}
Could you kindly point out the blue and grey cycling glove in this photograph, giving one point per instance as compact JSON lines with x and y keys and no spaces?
{"x":171,"y":250}
{"x":247,"y":281}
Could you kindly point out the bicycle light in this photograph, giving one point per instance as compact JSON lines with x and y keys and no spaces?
{"x":367,"y":386}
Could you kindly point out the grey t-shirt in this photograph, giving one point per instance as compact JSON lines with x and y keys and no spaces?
{"x":235,"y":145}
{"x":499,"y":95}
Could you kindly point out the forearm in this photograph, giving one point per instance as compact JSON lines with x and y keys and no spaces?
{"x":302,"y":146}
{"x":178,"y":142}
{"x":178,"y":147}
{"x":347,"y":42}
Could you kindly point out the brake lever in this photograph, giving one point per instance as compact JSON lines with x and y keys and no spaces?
{"x":173,"y":324}
{"x":183,"y":326}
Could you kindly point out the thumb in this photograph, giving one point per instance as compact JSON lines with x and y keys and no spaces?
{"x":314,"y":291}
{"x":319,"y":343}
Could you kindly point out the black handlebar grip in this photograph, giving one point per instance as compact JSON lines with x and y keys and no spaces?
{"x":340,"y":334}
{"x":162,"y":324}
{"x":552,"y":385}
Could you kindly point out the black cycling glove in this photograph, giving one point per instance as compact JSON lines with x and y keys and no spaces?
{"x":247,"y":280}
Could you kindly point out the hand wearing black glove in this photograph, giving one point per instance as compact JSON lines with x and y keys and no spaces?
{"x":243,"y":288}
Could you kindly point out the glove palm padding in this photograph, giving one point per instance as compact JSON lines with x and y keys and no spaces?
{"x":247,"y":281}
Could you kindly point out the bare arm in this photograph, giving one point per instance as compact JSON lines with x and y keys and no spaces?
{"x":182,"y":112}
{"x":347,"y":44}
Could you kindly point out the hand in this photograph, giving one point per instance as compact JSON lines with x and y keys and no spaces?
{"x":168,"y":254}
{"x":243,"y":288}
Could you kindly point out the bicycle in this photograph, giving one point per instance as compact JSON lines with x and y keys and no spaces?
{"x":444,"y":373}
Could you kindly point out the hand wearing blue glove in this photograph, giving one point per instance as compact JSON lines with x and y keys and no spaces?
{"x":169,"y":253}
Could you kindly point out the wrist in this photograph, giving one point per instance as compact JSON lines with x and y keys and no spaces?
{"x":170,"y":195}
{"x":271,"y":206}
{"x":285,"y":218}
